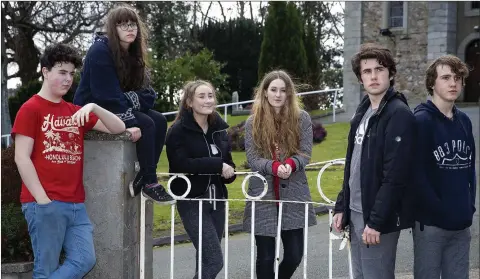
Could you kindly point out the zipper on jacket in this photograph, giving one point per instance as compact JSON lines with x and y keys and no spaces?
{"x":221,"y":155}
{"x":209,"y":155}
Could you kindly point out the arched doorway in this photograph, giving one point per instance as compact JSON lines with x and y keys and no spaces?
{"x":472,"y":84}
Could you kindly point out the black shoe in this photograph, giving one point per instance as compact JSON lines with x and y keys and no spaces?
{"x":136,"y":185}
{"x":157,"y":193}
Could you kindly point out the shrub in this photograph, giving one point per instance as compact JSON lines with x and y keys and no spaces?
{"x":311,"y":102}
{"x":16,"y":245}
{"x":11,"y":180}
{"x":319,"y":132}
{"x":236,"y":137}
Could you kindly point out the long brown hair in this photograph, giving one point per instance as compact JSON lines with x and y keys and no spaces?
{"x":268,"y":126}
{"x":188,"y":93}
{"x":131,"y":65}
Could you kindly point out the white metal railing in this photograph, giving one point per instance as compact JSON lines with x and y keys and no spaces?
{"x":344,"y":237}
{"x":326,"y":91}
{"x":225,"y":106}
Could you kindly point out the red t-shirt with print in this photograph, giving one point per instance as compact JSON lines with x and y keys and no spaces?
{"x":57,"y":153}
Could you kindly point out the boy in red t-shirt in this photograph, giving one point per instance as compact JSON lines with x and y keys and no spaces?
{"x":48,"y":134}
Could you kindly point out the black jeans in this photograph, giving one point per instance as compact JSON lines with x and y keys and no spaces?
{"x":292,"y":254}
{"x":153,"y":126}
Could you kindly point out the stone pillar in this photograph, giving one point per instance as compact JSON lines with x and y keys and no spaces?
{"x":352,"y":93}
{"x":108,"y":168}
{"x":442,"y":25}
{"x":234,"y":100}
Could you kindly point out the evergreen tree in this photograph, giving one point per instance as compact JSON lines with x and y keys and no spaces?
{"x":282,"y":45}
{"x":237,"y":44}
{"x":311,"y":48}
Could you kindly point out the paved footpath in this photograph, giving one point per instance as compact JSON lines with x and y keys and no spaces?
{"x":239,"y":248}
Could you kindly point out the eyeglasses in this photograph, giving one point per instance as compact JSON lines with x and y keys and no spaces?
{"x":125,"y":26}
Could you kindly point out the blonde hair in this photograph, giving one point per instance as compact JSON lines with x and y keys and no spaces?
{"x":188,"y":93}
{"x":268,"y":126}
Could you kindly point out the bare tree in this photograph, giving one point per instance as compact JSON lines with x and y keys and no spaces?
{"x":205,"y":16}
{"x":221,"y":10}
{"x":251,"y":10}
{"x":241,"y":9}
{"x":263,"y":13}
{"x":46,"y":22}
{"x":195,"y":7}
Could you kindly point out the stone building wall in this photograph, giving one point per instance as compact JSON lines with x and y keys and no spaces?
{"x":409,"y":48}
{"x":352,"y":41}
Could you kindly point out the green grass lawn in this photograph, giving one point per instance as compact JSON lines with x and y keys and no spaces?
{"x":333,"y":147}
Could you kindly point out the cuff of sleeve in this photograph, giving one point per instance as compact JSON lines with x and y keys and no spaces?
{"x":130,"y":123}
{"x":373,"y":226}
{"x":275,"y":166}
{"x":292,"y":164}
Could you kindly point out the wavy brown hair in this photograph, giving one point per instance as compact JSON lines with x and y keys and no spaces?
{"x":373,"y":51}
{"x":268,"y":126}
{"x":188,"y":93}
{"x":131,"y":64}
{"x":457,"y":66}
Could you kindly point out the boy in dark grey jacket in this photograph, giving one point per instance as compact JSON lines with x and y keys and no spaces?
{"x":376,"y":199}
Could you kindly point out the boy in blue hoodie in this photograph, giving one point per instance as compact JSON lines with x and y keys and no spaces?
{"x":445,"y":176}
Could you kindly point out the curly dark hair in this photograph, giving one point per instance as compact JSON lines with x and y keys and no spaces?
{"x":374,"y":51}
{"x":457,"y":66}
{"x":60,"y":53}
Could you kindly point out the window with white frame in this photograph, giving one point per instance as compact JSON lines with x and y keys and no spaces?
{"x":396,"y":14}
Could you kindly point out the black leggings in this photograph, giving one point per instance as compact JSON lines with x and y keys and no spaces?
{"x":153,"y":126}
{"x":292,"y":254}
{"x":213,"y":225}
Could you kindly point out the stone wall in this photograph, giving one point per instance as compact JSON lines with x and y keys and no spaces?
{"x":409,"y":48}
{"x":108,"y":168}
{"x":442,"y":25}
{"x":352,"y":40}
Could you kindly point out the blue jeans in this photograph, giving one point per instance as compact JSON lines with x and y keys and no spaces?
{"x":58,"y":225}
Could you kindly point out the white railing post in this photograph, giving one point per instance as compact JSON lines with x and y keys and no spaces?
{"x":226,"y":240}
{"x":226,"y":113}
{"x":172,"y":240}
{"x":252,"y":242}
{"x":305,"y":243}
{"x":253,"y":200}
{"x":200,"y":237}
{"x":279,"y":236}
{"x":334,"y":103}
{"x":143,"y":200}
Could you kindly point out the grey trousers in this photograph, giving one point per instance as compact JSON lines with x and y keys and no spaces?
{"x":213,"y":225}
{"x":375,"y":261}
{"x":438,"y":251}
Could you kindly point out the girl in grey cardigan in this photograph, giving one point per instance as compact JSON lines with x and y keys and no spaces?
{"x":278,"y":143}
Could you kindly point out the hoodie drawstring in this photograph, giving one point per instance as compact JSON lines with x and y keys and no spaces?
{"x":210,"y":190}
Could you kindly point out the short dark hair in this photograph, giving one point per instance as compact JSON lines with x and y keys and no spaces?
{"x":457,"y":66}
{"x":374,"y":51}
{"x":60,"y":53}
